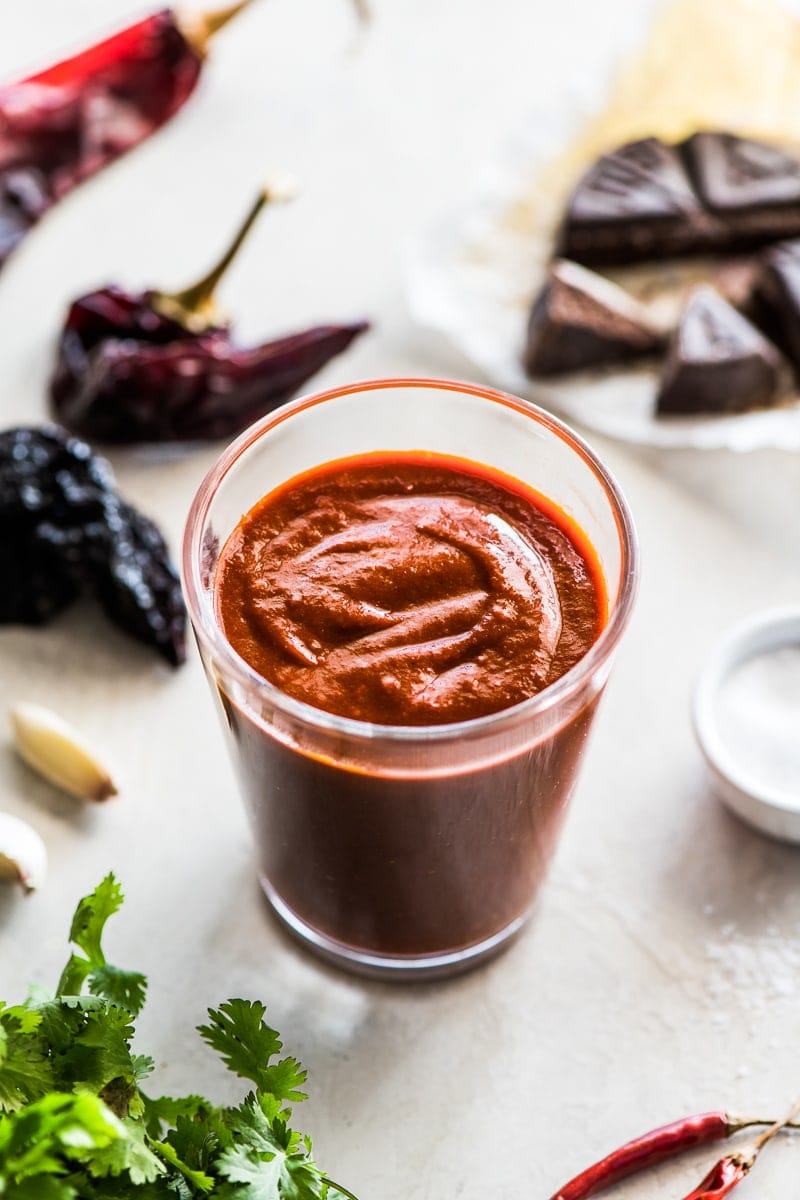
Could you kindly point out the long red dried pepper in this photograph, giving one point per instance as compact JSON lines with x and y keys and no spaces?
{"x":667,"y":1141}
{"x":64,"y":124}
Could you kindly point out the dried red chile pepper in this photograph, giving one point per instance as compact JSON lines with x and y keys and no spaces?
{"x":645,"y":1151}
{"x":66,"y":123}
{"x":668,"y":1141}
{"x":729,"y":1171}
{"x":720,"y":1181}
{"x":65,"y":532}
{"x":155,"y":367}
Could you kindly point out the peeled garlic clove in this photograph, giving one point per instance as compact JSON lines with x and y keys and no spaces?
{"x":53,"y":748}
{"x":23,"y":857}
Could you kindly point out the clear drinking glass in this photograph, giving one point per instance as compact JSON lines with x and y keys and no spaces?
{"x":406,"y":850}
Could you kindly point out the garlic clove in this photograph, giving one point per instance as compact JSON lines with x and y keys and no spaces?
{"x":52,"y":747}
{"x":23,"y":856}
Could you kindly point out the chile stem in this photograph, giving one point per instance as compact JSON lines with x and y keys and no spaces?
{"x":769,"y":1134}
{"x":200,"y":28}
{"x":218,"y":18}
{"x":738,"y":1124}
{"x":194,"y":306}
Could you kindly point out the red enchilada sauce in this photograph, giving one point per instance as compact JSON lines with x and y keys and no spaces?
{"x":407,"y":589}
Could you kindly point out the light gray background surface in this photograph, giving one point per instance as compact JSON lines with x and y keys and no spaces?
{"x":660,"y":973}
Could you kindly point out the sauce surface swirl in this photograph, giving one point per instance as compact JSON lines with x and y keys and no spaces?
{"x":409,"y":589}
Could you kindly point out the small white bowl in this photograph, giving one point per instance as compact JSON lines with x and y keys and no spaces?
{"x":750,"y":798}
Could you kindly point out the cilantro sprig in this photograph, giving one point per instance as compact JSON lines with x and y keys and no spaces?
{"x":76,"y":1124}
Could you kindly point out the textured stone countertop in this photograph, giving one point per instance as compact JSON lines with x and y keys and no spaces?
{"x":661,"y":970}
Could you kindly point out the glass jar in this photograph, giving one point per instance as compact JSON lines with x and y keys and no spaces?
{"x":406,"y":850}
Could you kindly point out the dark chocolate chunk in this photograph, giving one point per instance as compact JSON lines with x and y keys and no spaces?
{"x":736,"y":280}
{"x":717,"y":361}
{"x":752,"y":186}
{"x":775,"y":305}
{"x":713,"y":193}
{"x":733,"y":174}
{"x":633,"y":204}
{"x":579,"y":319}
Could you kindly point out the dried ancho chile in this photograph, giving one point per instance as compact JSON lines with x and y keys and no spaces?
{"x":155,"y":366}
{"x":65,"y":532}
{"x":66,"y":123}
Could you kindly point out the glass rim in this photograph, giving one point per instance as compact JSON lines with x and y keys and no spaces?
{"x":207,"y":628}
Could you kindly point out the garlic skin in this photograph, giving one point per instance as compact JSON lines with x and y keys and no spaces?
{"x":23,"y":855}
{"x":49,"y":745}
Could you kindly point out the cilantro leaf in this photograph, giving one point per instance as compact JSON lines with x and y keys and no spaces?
{"x":199,"y":1138}
{"x":126,"y":988}
{"x":86,"y":931}
{"x":58,"y":1128}
{"x":130,"y":1154}
{"x":38,"y":994}
{"x":163,"y":1111}
{"x":241,"y":1037}
{"x":282,"y":1080}
{"x":61,"y":1022}
{"x":276,"y":1176}
{"x":74,"y":976}
{"x":77,"y":1127}
{"x":271,"y":1159}
{"x":142,"y":1065}
{"x":257,"y":1126}
{"x":199,"y":1179}
{"x":99,"y":1052}
{"x":26,"y":1019}
{"x":261,"y":1177}
{"x":26,"y":1073}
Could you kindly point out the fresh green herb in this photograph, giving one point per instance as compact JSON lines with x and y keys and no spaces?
{"x":75,"y":1123}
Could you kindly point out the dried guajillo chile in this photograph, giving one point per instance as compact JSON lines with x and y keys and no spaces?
{"x":65,"y":532}
{"x":156,"y":366}
{"x":64,"y":124}
{"x":668,"y":1141}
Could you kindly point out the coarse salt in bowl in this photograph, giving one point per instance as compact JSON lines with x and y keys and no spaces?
{"x":747,"y":721}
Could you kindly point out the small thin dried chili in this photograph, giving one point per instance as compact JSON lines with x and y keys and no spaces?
{"x":729,"y":1171}
{"x":155,"y":367}
{"x":651,"y":1148}
{"x":65,"y":532}
{"x":64,"y":124}
{"x":655,"y":1146}
{"x":721,"y":1179}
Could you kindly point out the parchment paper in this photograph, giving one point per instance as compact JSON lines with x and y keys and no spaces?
{"x":472,"y":277}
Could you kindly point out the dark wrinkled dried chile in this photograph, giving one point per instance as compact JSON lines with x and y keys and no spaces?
{"x":66,"y":123}
{"x":126,"y":373}
{"x":65,"y":532}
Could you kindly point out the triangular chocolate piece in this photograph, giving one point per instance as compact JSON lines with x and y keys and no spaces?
{"x":752,"y":186}
{"x":634,"y":203}
{"x":732,"y":174}
{"x":717,"y":361}
{"x":579,"y":320}
{"x":775,"y":305}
